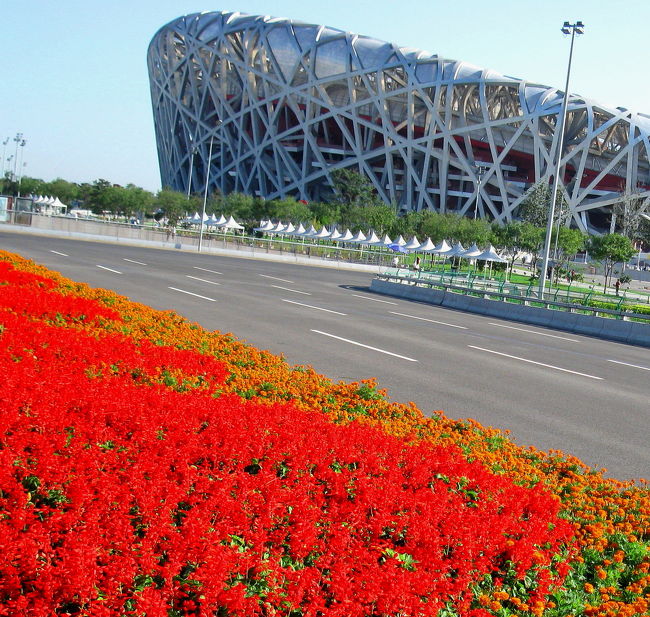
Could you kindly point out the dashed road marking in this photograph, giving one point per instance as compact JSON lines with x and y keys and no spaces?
{"x":109,"y":269}
{"x":189,"y":293}
{"x":346,"y":340}
{"x":318,"y":308}
{"x":555,"y":368}
{"x":442,"y":323}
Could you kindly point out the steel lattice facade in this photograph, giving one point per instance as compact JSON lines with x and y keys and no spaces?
{"x":285,"y":103}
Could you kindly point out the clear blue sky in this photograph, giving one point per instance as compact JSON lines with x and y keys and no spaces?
{"x":75,"y":80}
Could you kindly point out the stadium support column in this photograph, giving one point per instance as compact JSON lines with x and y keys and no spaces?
{"x":572,"y":29}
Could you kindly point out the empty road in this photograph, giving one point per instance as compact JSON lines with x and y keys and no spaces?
{"x":550,"y":389}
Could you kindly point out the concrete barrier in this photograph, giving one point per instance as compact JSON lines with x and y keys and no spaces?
{"x":631,"y":332}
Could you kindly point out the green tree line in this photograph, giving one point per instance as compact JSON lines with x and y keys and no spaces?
{"x":354,"y":205}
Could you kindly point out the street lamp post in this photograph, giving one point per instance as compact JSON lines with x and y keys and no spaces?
{"x":205,"y":193}
{"x":4,"y":152}
{"x":207,"y":182}
{"x":572,"y":29}
{"x":18,"y":139}
{"x":20,"y":177}
{"x":193,"y":150}
{"x":480,"y":172}
{"x":23,"y":142}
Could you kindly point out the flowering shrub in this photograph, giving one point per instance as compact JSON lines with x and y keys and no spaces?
{"x":150,"y":467}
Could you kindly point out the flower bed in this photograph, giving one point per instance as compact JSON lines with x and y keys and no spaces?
{"x":152,"y":467}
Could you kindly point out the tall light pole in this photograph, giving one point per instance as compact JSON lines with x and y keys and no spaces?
{"x":4,"y":152}
{"x":207,"y":182}
{"x":572,"y":29}
{"x":193,"y":150}
{"x":480,"y":172}
{"x":18,"y":139}
{"x":23,"y":142}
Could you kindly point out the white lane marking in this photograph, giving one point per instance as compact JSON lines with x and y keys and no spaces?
{"x":442,"y":323}
{"x":565,"y":338}
{"x":374,"y":299}
{"x":318,"y":308}
{"x":347,"y":340}
{"x":275,"y":278}
{"x":196,"y":278}
{"x":109,"y":269}
{"x":557,"y":368}
{"x":133,"y":261}
{"x":58,"y":253}
{"x":304,"y":293}
{"x":206,"y":270}
{"x":189,"y":293}
{"x":643,"y":368}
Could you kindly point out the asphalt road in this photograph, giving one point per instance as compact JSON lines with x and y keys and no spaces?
{"x":556,"y":391}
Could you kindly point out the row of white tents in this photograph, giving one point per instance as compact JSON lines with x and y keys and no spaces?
{"x":46,"y":202}
{"x":371,"y":239}
{"x":213,"y":221}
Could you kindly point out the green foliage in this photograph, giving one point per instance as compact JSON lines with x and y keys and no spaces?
{"x":610,"y":249}
{"x":535,"y":206}
{"x":173,"y":203}
{"x":353,"y":189}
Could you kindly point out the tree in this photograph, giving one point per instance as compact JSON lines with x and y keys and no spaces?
{"x":288,"y":209}
{"x":380,"y":218}
{"x":67,"y":192}
{"x":508,"y":237}
{"x":535,"y":206}
{"x":353,"y":189}
{"x":325,"y":213}
{"x":610,"y":249}
{"x":469,"y":231}
{"x":569,"y":242}
{"x":628,"y":214}
{"x":172,"y":203}
{"x":240,"y":206}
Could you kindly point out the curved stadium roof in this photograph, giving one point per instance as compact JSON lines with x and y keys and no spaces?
{"x":286,"y":102}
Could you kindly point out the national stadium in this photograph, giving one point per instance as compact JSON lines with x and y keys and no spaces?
{"x":270,"y":107}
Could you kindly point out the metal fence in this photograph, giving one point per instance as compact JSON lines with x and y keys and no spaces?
{"x":479,"y":285}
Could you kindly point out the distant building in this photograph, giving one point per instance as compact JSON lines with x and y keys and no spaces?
{"x":285,"y":103}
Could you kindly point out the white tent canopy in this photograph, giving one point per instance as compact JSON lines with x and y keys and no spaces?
{"x":288,"y":230}
{"x":457,"y":249}
{"x":264,"y":226}
{"x":372,"y":240}
{"x":490,"y":254}
{"x":442,"y":248}
{"x":413,"y":244}
{"x":471,"y":252}
{"x":312,"y":231}
{"x":231,"y":223}
{"x":346,"y":237}
{"x":300,"y":231}
{"x":323,"y":233}
{"x":427,"y":246}
{"x":277,"y":228}
{"x":336,"y":234}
